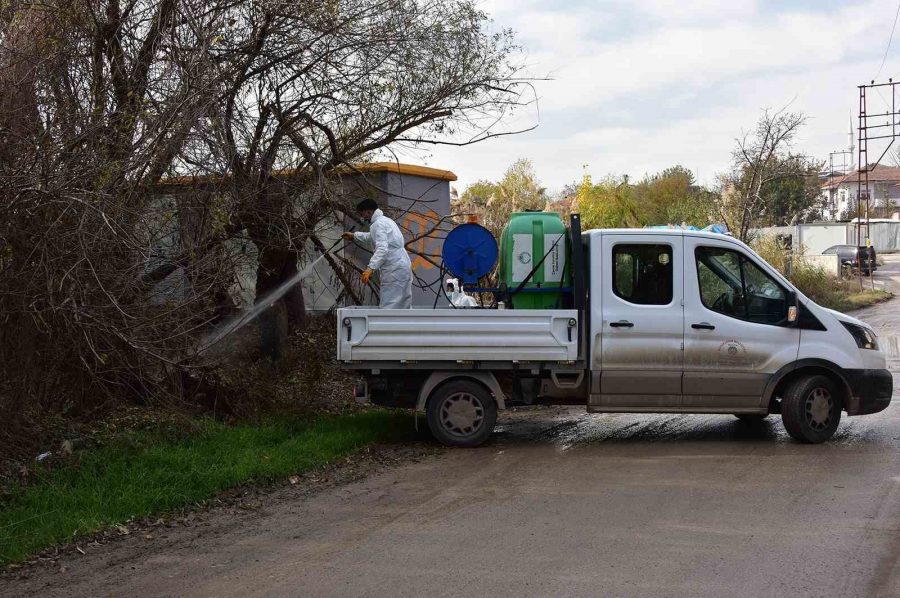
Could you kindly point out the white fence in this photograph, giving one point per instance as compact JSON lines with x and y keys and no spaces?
{"x":885,"y":235}
{"x":816,"y":237}
{"x":830,"y":263}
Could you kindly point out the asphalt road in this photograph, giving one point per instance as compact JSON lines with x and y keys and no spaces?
{"x":565,"y":503}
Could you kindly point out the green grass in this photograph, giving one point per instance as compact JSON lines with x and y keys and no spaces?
{"x":842,"y":295}
{"x":142,"y":474}
{"x":865,"y":298}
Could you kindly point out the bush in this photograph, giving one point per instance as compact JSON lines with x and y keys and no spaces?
{"x":774,"y":252}
{"x":814,"y":281}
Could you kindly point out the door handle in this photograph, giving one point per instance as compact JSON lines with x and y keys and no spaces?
{"x":703,"y":326}
{"x":622,"y":324}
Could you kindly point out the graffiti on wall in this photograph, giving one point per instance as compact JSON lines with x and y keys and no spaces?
{"x":425,"y":228}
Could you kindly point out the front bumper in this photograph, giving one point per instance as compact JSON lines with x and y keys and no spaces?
{"x":870,"y":391}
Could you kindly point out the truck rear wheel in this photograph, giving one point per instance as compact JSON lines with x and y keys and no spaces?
{"x":461,"y":413}
{"x":811,"y":409}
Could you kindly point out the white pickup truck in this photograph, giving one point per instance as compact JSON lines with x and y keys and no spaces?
{"x":662,"y":321}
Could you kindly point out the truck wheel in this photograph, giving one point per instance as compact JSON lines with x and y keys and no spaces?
{"x":811,"y":409}
{"x":461,"y":413}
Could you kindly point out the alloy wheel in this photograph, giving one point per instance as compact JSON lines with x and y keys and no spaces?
{"x":462,"y":413}
{"x":819,"y":406}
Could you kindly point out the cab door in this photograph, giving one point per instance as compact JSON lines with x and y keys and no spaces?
{"x":736,"y":332}
{"x":642,"y":325}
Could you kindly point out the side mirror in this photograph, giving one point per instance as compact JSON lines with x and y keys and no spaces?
{"x":793,"y":311}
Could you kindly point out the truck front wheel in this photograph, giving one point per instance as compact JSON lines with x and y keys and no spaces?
{"x":811,"y":409}
{"x":461,"y":413}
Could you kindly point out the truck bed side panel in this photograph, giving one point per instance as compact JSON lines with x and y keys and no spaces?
{"x":370,"y":334}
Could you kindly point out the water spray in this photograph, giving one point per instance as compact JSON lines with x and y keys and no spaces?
{"x":263,"y":304}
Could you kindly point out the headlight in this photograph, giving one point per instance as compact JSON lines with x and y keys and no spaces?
{"x":864,"y":337}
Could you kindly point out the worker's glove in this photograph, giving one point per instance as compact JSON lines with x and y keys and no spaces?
{"x":366,"y":276}
{"x":347,"y":236}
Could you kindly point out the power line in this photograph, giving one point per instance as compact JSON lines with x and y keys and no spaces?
{"x":890,"y":39}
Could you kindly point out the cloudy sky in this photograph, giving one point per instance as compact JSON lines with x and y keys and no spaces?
{"x":639,"y":85}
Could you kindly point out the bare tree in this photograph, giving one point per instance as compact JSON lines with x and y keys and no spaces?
{"x":333,"y":84}
{"x":756,"y":162}
{"x":140,"y":141}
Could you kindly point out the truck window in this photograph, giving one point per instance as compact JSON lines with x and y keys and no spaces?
{"x":642,"y":273}
{"x":732,"y":285}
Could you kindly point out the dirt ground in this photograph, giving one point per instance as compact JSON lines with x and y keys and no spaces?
{"x":559,"y":502}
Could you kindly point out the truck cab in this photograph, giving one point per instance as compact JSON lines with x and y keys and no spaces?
{"x":662,"y":321}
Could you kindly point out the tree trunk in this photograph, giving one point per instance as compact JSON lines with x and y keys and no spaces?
{"x":276,"y":267}
{"x":19,"y":63}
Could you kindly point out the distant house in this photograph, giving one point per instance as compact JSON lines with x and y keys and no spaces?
{"x":840,"y":194}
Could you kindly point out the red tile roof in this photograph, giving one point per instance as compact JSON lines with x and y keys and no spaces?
{"x":877,"y":174}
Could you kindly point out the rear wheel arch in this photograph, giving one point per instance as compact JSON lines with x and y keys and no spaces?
{"x":438,"y":379}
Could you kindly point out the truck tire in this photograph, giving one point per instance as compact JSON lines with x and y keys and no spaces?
{"x":811,"y":409}
{"x":461,"y":413}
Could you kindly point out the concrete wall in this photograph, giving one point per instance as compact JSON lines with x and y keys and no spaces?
{"x":423,"y":210}
{"x":322,"y":288}
{"x":816,"y":238}
{"x":421,"y":207}
{"x":830,"y":263}
{"x":809,"y":238}
{"x":885,"y":236}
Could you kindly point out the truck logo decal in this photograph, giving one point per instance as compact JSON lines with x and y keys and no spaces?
{"x":732,"y":349}
{"x":524,"y":257}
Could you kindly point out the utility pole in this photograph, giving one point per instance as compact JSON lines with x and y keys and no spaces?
{"x":882,"y":128}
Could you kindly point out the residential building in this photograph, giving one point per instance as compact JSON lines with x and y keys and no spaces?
{"x":841,"y":193}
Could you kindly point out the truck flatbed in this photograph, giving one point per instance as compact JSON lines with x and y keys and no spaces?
{"x":368,"y":336}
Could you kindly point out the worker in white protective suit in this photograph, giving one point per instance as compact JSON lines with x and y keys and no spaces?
{"x":389,"y":256}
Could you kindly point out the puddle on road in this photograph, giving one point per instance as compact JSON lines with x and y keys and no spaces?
{"x":571,"y":429}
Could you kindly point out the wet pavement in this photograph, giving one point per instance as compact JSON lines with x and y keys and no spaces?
{"x":564,"y":503}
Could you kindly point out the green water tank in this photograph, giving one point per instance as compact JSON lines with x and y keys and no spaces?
{"x":526,"y":239}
